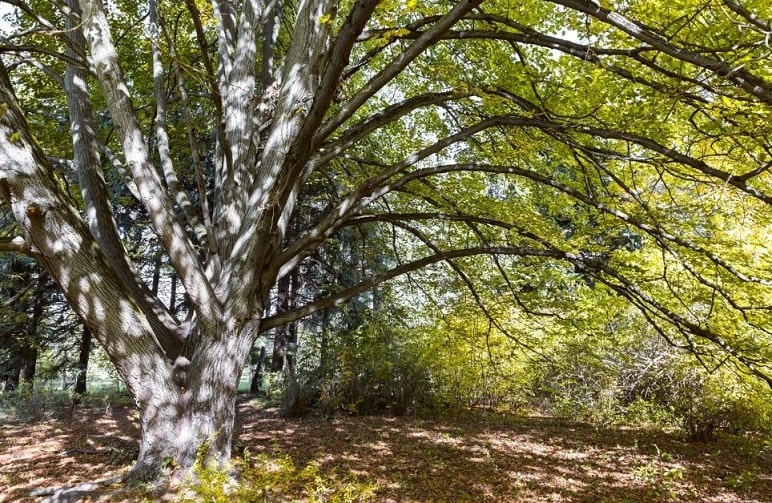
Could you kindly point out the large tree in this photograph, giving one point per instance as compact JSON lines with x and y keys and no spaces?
{"x":626,"y":143}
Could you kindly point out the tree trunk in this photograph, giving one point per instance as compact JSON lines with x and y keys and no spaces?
{"x":257,"y":377}
{"x":326,"y":369}
{"x":182,"y":374}
{"x":282,"y":341}
{"x":184,"y":381}
{"x":28,"y":355}
{"x":176,"y":424}
{"x":11,"y":379}
{"x":191,"y":412}
{"x":85,"y":351}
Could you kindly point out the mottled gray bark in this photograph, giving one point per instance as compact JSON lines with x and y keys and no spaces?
{"x":60,"y":240}
{"x":192,"y":409}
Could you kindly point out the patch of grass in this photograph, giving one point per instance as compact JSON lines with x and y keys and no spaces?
{"x":662,"y":478}
{"x":744,"y":480}
{"x":749,"y":446}
{"x":265,"y":478}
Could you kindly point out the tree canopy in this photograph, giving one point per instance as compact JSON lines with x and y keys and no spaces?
{"x":551,"y":156}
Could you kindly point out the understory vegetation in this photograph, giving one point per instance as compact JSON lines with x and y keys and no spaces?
{"x":616,"y":372}
{"x":452,"y":369}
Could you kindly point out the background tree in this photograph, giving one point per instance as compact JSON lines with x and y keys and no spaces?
{"x":628,"y":144}
{"x":34,"y":321}
{"x":22,"y":332}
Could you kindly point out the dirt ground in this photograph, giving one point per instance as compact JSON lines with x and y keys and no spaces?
{"x":471,"y":458}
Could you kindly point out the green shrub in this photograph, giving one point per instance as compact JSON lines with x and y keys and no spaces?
{"x":705,"y":403}
{"x":647,"y":413}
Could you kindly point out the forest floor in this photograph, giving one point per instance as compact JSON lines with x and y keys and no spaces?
{"x":473,"y":457}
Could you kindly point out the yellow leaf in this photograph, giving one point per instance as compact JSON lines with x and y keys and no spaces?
{"x":15,"y":136}
{"x":326,"y":19}
{"x":412,"y":4}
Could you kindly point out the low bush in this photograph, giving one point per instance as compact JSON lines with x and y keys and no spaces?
{"x":659,"y":388}
{"x":646,"y":413}
{"x":705,"y":404}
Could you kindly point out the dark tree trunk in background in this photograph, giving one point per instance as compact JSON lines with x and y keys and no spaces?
{"x":257,"y":377}
{"x":11,"y":379}
{"x":286,"y":338}
{"x":28,"y":359}
{"x":28,"y":355}
{"x":173,"y":294}
{"x":85,"y":351}
{"x":324,"y":349}
{"x":156,"y":273}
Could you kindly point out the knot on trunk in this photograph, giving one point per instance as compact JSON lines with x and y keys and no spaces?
{"x":180,"y":373}
{"x":36,"y":211}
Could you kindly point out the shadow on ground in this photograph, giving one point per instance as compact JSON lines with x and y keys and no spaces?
{"x":468,"y":458}
{"x":86,"y":445}
{"x":495,"y":458}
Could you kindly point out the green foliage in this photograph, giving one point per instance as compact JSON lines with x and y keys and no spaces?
{"x":663,"y":479}
{"x":433,"y":366}
{"x":265,"y":478}
{"x":604,"y":388}
{"x":213,"y":484}
{"x":372,"y":368}
{"x":645,"y":413}
{"x":612,"y":369}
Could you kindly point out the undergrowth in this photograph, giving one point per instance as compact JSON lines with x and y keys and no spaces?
{"x":265,"y":478}
{"x":32,"y":405}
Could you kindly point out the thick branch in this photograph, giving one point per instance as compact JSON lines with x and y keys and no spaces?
{"x":153,"y":196}
{"x":64,"y":246}
{"x":161,"y":132}
{"x":16,"y":244}
{"x":738,"y":76}
{"x":651,"y":229}
{"x":99,"y":211}
{"x":386,"y":116}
